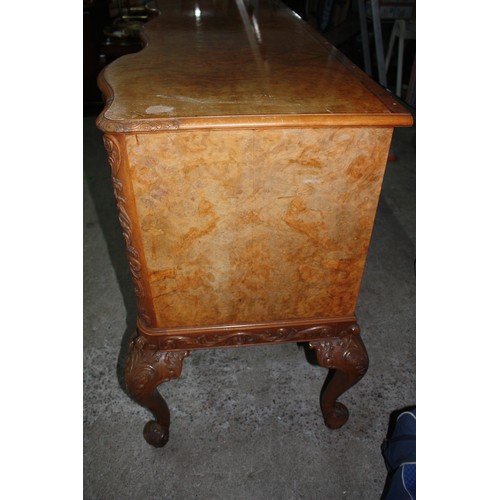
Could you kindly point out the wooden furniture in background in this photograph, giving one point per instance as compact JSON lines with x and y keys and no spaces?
{"x":247,"y":157}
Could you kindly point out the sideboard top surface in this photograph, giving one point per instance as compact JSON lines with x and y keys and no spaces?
{"x":238,"y":64}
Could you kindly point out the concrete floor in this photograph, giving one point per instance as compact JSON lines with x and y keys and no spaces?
{"x":246,"y":422}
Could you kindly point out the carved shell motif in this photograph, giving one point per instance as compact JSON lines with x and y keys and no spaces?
{"x":147,"y":367}
{"x":346,"y":349}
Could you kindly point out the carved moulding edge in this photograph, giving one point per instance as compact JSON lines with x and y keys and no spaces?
{"x":278,"y":332}
{"x":114,"y":157}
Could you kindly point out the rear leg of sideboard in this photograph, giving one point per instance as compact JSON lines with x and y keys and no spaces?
{"x":146,"y":368}
{"x":346,"y":356}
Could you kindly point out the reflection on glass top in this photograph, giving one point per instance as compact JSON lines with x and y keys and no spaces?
{"x":208,"y":58}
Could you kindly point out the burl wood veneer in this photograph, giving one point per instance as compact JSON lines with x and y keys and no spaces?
{"x":247,"y":157}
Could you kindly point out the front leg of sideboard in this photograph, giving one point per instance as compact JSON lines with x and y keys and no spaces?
{"x":146,"y":368}
{"x":346,"y":356}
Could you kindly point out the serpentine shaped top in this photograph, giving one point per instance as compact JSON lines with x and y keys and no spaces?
{"x":238,"y":63}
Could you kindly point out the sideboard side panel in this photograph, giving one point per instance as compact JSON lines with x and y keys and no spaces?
{"x":256,"y":225}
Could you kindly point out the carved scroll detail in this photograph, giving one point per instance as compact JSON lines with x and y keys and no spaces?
{"x":114,"y":159}
{"x":240,"y":338}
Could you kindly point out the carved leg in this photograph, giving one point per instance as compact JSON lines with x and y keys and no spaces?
{"x":146,"y":368}
{"x":347,"y":357}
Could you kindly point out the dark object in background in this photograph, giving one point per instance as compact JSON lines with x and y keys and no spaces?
{"x":95,"y":18}
{"x":110,"y":30}
{"x":399,"y":452}
{"x":301,"y":7}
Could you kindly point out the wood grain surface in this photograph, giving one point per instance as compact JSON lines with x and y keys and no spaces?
{"x":238,"y":64}
{"x":254,"y":226}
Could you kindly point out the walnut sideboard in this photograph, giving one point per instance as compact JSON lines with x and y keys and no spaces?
{"x":247,"y":158}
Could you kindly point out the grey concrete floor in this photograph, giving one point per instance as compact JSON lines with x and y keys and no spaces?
{"x":246,"y":422}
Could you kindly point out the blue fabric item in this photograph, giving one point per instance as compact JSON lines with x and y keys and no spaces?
{"x":410,"y":479}
{"x":399,"y":451}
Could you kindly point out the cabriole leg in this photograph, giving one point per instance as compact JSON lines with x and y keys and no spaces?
{"x":346,"y":356}
{"x":146,"y":368}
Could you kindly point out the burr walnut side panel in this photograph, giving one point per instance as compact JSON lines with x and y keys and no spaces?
{"x":250,"y":226}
